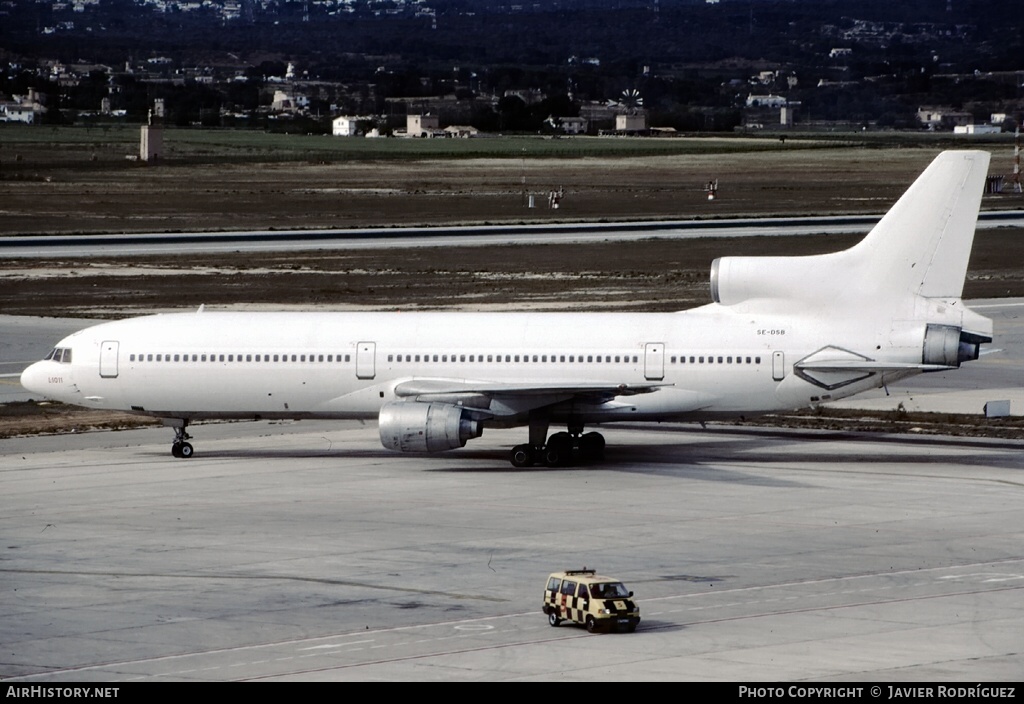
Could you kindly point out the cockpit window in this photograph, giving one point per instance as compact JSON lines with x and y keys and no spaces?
{"x":59,"y":354}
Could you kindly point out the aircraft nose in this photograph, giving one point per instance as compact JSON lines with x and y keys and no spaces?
{"x":34,"y":379}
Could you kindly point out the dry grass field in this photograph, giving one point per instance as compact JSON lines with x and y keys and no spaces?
{"x":78,"y":180}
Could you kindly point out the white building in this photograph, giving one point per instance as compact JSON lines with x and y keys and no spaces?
{"x":977,"y":129}
{"x":630,"y":123}
{"x":462,"y":131}
{"x":345,"y":126}
{"x":13,"y":112}
{"x":421,"y":125}
{"x":765,"y":101}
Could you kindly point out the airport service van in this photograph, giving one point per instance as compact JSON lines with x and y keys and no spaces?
{"x":587,"y":598}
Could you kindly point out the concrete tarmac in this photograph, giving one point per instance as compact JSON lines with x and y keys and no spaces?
{"x":305,"y":551}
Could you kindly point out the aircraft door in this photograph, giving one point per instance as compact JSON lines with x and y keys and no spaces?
{"x":654,"y":361}
{"x":778,"y":365}
{"x":366,"y":363}
{"x":108,"y":359}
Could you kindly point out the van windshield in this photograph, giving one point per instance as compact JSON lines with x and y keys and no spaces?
{"x":609,"y":590}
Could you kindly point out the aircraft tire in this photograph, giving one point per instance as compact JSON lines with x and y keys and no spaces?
{"x":558,"y":451}
{"x":522,"y":456}
{"x":185,"y":450}
{"x":176,"y":450}
{"x":592,"y":446}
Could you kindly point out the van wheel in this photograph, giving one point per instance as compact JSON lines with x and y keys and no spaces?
{"x":591,"y":624}
{"x":553,"y":618}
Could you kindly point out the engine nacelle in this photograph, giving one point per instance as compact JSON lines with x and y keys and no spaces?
{"x":411,"y":426}
{"x":738,"y":279}
{"x":949,"y":345}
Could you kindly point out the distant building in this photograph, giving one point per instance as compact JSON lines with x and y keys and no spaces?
{"x":23,"y":108}
{"x":345,"y":126}
{"x":631,"y":123}
{"x":977,"y":129}
{"x":787,"y":114}
{"x":14,"y":112}
{"x":765,"y":101}
{"x":286,"y":102}
{"x":421,"y":125}
{"x":573,"y":125}
{"x":463,"y":131}
{"x":941,"y":117}
{"x":151,"y":143}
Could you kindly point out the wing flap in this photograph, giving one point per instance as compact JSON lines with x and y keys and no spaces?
{"x":449,"y":387}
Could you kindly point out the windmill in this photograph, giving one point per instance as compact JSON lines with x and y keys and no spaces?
{"x":630,"y":117}
{"x":631,"y":101}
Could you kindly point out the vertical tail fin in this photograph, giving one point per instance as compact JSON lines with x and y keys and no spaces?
{"x":920,"y":248}
{"x":923,"y":243}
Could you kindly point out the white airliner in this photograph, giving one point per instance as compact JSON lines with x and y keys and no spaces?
{"x":782,"y":333}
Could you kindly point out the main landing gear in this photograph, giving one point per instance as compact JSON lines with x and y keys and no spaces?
{"x":181,"y":447}
{"x":560,"y":450}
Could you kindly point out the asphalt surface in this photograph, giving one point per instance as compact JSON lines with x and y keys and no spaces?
{"x":305,"y":551}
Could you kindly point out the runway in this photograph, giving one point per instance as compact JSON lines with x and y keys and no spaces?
{"x":179,"y":243}
{"x":305,"y":551}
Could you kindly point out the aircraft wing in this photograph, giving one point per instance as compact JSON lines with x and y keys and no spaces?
{"x":512,"y":398}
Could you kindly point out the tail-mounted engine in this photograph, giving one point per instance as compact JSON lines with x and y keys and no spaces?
{"x":411,"y":426}
{"x":950,"y":346}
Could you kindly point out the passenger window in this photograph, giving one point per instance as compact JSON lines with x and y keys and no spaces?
{"x":553,"y":584}
{"x":569,"y":588}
